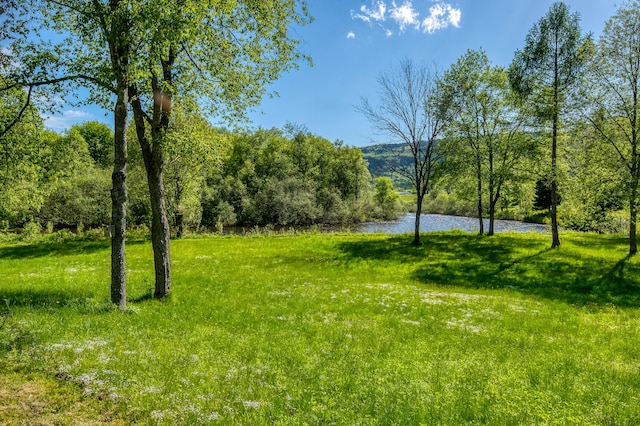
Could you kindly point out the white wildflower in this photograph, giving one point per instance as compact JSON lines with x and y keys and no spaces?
{"x":251,"y":404}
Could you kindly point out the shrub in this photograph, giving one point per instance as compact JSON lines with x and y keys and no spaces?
{"x":388,"y":205}
{"x":82,"y":199}
{"x":30,"y":231}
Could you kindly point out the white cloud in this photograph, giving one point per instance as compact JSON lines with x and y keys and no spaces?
{"x":351,"y":34}
{"x":405,"y":15}
{"x":376,"y":14}
{"x":441,"y":15}
{"x":66,"y":119}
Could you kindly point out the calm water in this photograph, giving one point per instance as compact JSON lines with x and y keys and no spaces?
{"x":428,"y":223}
{"x":438,"y":222}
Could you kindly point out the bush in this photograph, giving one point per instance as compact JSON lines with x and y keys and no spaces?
{"x":388,"y":204}
{"x":286,"y":202}
{"x":444,"y":203}
{"x":31,"y":231}
{"x":82,"y":199}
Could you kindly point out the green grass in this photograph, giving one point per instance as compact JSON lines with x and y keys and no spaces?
{"x":332,"y":329}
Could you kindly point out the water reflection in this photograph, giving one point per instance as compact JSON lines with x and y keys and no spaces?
{"x":437,"y":222}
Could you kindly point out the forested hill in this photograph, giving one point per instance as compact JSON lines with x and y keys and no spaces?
{"x":383,"y":157}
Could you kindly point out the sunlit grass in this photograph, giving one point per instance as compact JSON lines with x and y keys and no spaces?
{"x":337,"y":329}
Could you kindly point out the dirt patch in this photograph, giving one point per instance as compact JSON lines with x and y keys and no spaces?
{"x":42,"y":401}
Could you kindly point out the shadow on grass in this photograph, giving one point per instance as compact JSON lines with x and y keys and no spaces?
{"x":66,"y":248}
{"x":50,"y":299}
{"x":142,"y":298}
{"x":36,"y":250}
{"x":583,"y":274}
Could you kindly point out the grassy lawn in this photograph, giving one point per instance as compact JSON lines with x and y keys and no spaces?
{"x":320,"y":329}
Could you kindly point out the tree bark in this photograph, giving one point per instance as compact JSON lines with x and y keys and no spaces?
{"x":479,"y":178}
{"x":554,"y":185}
{"x":492,"y":213}
{"x":633,"y":242}
{"x":153,"y":157}
{"x":555,"y":237}
{"x":160,"y":233}
{"x":119,"y":203}
{"x":633,"y":209}
{"x":635,"y":173}
{"x":493,"y":202}
{"x":119,"y":49}
{"x":493,"y":193}
{"x":416,"y":234}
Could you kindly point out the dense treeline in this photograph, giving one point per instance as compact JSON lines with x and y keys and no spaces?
{"x":213,"y":178}
{"x":267,"y":177}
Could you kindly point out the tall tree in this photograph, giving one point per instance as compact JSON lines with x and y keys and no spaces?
{"x":92,"y":50}
{"x":148,"y":52}
{"x":613,"y":90}
{"x":192,"y":50}
{"x":544,"y":74}
{"x":411,"y":111}
{"x":485,"y":133}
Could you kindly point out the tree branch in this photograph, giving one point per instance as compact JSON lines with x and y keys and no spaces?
{"x":19,"y":116}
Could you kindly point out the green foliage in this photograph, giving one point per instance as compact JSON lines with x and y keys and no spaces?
{"x":442,"y":202}
{"x":547,"y":69}
{"x":343,"y":329}
{"x":193,"y":150}
{"x":30,"y":231}
{"x":24,"y":159}
{"x":595,"y":187}
{"x":268,"y":178}
{"x":486,"y":137}
{"x":99,"y":139}
{"x":612,"y":88}
{"x":387,"y":199}
{"x":138,"y":205}
{"x":83,"y":198}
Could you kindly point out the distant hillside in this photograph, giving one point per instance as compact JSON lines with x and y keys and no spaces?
{"x":382,"y":158}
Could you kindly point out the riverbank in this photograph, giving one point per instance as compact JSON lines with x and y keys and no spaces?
{"x":328,"y":328}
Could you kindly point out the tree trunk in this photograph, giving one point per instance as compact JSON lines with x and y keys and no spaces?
{"x":416,"y":234}
{"x":160,"y":233}
{"x":119,"y":203}
{"x":555,"y":237}
{"x":179,"y":225}
{"x":153,"y":157}
{"x":479,"y":178}
{"x":493,"y":202}
{"x":554,"y":185}
{"x":633,"y":209}
{"x":633,"y":242}
{"x":635,"y":179}
{"x":492,"y":213}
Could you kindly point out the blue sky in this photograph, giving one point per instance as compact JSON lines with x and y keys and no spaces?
{"x":353,"y":41}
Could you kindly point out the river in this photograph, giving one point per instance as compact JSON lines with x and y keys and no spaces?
{"x":438,"y":222}
{"x":428,"y":223}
